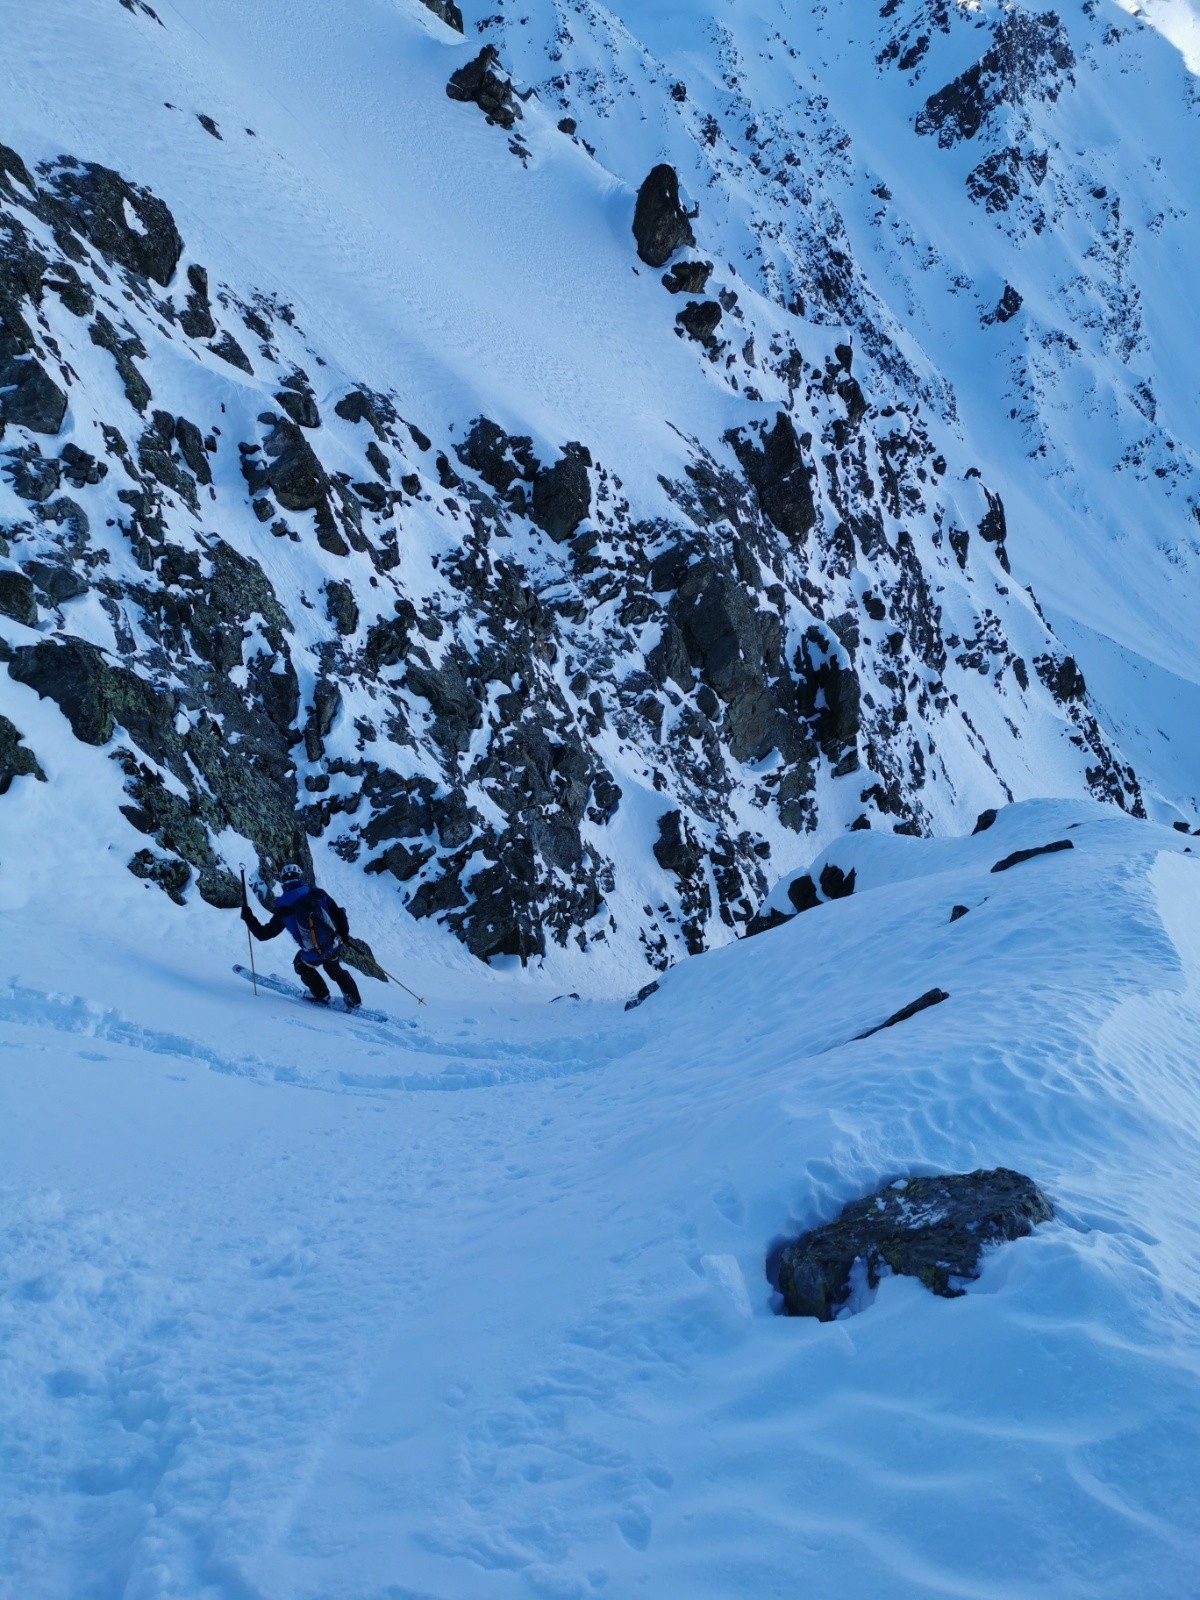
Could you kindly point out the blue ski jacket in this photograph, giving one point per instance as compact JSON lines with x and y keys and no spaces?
{"x":312,"y":917}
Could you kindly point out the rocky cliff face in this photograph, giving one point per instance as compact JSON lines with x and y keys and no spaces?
{"x":302,"y":616}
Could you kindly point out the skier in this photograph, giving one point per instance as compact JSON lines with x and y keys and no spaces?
{"x":318,"y":925}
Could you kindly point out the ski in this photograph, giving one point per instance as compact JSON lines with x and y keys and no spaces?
{"x":293,"y":991}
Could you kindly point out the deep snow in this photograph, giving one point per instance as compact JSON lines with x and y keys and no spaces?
{"x":475,"y":1303}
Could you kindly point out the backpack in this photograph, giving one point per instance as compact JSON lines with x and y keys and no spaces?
{"x":307,"y":917}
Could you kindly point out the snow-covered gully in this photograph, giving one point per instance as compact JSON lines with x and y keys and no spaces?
{"x":518,"y":1338}
{"x":684,"y":521}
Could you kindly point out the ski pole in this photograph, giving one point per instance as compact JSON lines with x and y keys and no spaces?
{"x":249,"y":940}
{"x":404,"y":986}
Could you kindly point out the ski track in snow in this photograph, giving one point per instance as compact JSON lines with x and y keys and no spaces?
{"x":517,"y":1341}
{"x":468,"y":1066}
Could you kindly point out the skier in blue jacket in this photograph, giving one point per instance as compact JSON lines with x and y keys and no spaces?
{"x":318,"y":925}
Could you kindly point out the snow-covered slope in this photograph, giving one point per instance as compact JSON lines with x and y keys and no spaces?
{"x":368,"y":498}
{"x":580,"y":680}
{"x":474,"y":1303}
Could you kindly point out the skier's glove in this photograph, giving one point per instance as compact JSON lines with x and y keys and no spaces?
{"x":245,"y":914}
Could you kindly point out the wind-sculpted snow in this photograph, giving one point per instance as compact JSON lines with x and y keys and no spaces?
{"x":519,"y":1339}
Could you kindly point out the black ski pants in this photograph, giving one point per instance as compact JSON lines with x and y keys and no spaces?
{"x":315,"y":983}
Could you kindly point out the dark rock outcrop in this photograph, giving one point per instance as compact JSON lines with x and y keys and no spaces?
{"x":677,"y":851}
{"x":33,"y":476}
{"x":642,"y":995}
{"x":660,"y":223}
{"x":781,"y":477}
{"x":81,"y":470}
{"x":448,"y":12}
{"x":94,"y":695}
{"x":933,"y":1229}
{"x":17,"y":760}
{"x":227,"y":347}
{"x":688,"y":277}
{"x":29,"y":396}
{"x":361,"y":405}
{"x":562,"y":494}
{"x":502,"y":460}
{"x":196,"y":318}
{"x":98,"y":202}
{"x":126,"y":350}
{"x":170,"y":873}
{"x":480,"y":83}
{"x":56,"y":580}
{"x":1018,"y":856}
{"x":327,"y":702}
{"x":837,"y":884}
{"x":296,"y":476}
{"x":765,"y":921}
{"x":1029,"y":57}
{"x":341,"y":607}
{"x":297,"y":399}
{"x":828,"y":693}
{"x":1062,"y":677}
{"x":1006,"y":308}
{"x":700,"y":320}
{"x":802,"y":893}
{"x":16,"y":599}
{"x":931,"y":997}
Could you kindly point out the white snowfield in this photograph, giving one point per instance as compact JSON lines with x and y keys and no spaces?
{"x":474,"y":1304}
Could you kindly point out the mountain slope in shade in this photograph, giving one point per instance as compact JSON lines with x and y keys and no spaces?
{"x":432,"y":539}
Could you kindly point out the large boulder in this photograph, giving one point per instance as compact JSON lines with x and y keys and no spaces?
{"x":934,"y":1229}
{"x":361,"y":405}
{"x":298,"y":400}
{"x":675,"y":849}
{"x":700,"y":319}
{"x":660,"y":223}
{"x":688,"y":277}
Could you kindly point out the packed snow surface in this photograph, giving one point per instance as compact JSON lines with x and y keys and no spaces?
{"x":473,"y":1302}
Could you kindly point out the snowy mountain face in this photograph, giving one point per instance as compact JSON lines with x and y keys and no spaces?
{"x":373,"y":495}
{"x":592,"y":483}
